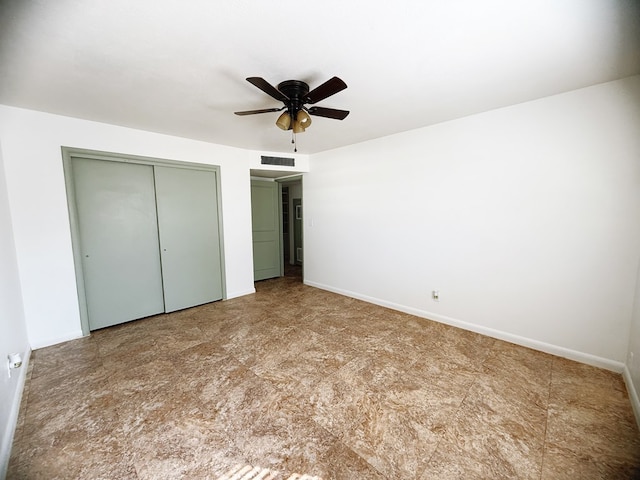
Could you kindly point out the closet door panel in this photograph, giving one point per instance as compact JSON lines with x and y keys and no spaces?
{"x":189,"y":236}
{"x":265,"y":225}
{"x":119,"y":240}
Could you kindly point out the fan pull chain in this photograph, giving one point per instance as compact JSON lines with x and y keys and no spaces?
{"x":293,"y":140}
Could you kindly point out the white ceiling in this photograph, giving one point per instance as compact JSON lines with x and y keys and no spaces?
{"x":179,"y":66}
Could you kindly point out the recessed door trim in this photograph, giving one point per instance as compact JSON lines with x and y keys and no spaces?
{"x":68,"y":153}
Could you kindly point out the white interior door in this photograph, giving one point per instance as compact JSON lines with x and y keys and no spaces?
{"x":118,"y":230}
{"x":189,"y":236}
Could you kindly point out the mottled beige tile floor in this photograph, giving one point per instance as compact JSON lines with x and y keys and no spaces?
{"x":296,"y":380}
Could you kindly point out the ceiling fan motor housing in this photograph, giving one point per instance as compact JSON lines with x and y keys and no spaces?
{"x":297,"y":92}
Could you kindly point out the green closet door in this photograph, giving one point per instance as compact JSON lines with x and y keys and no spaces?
{"x":189,"y":237}
{"x":119,"y":241}
{"x":266,"y":232}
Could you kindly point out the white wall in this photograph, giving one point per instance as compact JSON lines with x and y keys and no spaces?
{"x":13,"y":330}
{"x":32,"y":143}
{"x":527,"y":219}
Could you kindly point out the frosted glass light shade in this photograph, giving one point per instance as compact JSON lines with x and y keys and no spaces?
{"x":297,"y":127}
{"x":304,"y":119}
{"x":284,"y":121}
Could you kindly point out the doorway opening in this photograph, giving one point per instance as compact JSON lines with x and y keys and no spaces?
{"x":282,"y":256}
{"x":292,"y":228}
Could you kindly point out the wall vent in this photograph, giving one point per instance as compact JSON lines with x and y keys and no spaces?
{"x":282,"y":161}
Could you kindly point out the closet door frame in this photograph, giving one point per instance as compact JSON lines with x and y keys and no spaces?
{"x":68,"y":154}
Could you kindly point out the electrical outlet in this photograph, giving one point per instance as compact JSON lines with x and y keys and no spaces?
{"x":14,"y":360}
{"x":435,"y":295}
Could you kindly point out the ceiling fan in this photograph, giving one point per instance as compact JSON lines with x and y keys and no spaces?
{"x":295,"y":95}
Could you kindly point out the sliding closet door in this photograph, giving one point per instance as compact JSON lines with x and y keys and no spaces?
{"x":118,"y":231}
{"x":189,"y":237}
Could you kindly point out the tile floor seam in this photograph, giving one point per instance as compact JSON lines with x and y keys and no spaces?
{"x":127,"y":445}
{"x":438,"y":443}
{"x":454,"y":414}
{"x":451,"y":417}
{"x":339,"y":440}
{"x":476,"y":380}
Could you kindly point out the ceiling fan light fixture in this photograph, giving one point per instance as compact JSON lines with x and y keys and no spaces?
{"x":304,"y":119}
{"x":298,"y":127}
{"x":284,"y":121}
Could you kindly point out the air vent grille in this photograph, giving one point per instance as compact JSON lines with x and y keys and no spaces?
{"x":281,"y":161}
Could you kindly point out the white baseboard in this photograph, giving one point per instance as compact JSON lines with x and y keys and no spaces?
{"x":581,"y":357}
{"x":54,"y":341}
{"x":633,"y":393}
{"x":240,"y":293}
{"x":10,"y":428}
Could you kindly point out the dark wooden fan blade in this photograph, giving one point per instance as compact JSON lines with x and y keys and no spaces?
{"x":267,"y":88}
{"x":328,"y":88}
{"x":329,"y":113}
{"x":264,"y":110}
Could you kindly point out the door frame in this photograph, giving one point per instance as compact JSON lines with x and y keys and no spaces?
{"x":283,"y":181}
{"x":68,"y":154}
